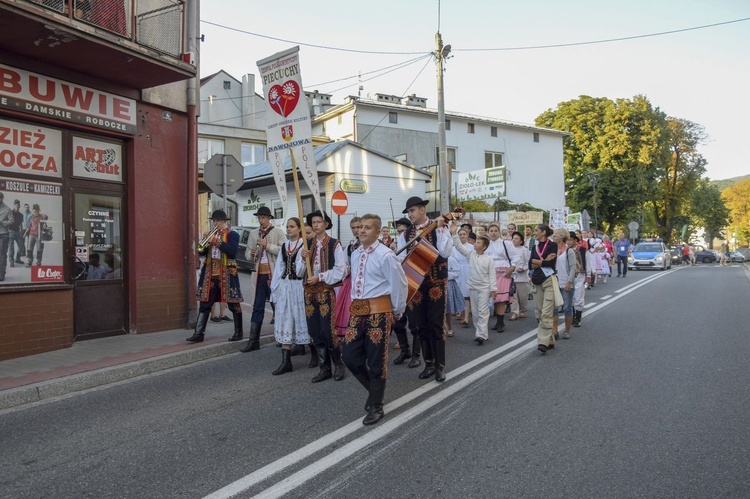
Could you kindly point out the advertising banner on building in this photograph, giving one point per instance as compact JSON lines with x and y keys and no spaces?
{"x":288,"y":123}
{"x":486,"y":184}
{"x":97,"y":160}
{"x":41,"y":95}
{"x":526,"y":217}
{"x":37,"y":245}
{"x":28,"y":148}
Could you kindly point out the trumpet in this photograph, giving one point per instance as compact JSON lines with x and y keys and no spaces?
{"x":206,"y":241}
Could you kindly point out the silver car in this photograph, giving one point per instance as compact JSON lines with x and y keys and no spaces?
{"x":651,"y":255}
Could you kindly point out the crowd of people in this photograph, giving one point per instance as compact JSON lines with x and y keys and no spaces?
{"x":21,"y":235}
{"x":342,"y":302}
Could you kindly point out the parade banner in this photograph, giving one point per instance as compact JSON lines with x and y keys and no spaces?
{"x":526,"y":217}
{"x":574,"y":222}
{"x":288,"y":123}
{"x":558,"y":217}
{"x":41,"y":252}
{"x":30,"y":149}
{"x":488,"y":183}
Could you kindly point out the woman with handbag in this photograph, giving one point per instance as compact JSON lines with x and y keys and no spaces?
{"x":542,"y":264}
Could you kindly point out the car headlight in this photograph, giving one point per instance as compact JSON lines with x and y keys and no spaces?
{"x":659,"y":258}
{"x":631,"y":259}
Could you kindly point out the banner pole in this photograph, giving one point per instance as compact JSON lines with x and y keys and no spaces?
{"x":299,"y":210}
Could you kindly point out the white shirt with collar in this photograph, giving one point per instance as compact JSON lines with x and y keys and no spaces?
{"x":376,"y":271}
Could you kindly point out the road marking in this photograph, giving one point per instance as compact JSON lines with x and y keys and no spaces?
{"x":307,"y":473}
{"x":606,"y":297}
{"x":589,"y":305}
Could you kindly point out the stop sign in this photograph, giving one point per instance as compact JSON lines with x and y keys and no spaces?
{"x":339,"y":202}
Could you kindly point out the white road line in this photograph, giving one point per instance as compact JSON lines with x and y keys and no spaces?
{"x":606,"y":297}
{"x":392,"y":423}
{"x":279,"y":465}
{"x":589,"y":305}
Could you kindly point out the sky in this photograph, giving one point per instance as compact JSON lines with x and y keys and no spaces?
{"x":700,"y":75}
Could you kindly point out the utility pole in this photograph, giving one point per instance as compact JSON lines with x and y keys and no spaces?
{"x":444,"y":173}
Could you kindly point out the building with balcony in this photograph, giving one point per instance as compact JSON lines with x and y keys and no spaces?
{"x":98,"y":138}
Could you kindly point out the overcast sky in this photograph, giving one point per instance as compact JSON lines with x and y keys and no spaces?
{"x":701,"y":75}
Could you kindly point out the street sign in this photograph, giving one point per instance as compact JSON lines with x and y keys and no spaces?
{"x":339,"y":202}
{"x":633,"y":226}
{"x":213,"y":175}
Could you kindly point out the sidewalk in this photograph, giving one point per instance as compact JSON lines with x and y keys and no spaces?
{"x":91,"y":363}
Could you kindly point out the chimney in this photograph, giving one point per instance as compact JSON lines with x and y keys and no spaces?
{"x":248,"y":101}
{"x":413,"y":100}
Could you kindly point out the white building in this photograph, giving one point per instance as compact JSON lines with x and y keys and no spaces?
{"x":373,"y":182}
{"x":407,"y":130}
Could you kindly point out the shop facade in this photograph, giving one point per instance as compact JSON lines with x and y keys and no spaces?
{"x":99,"y":173}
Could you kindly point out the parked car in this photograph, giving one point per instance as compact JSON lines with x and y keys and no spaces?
{"x":652,"y":255}
{"x":676,"y":251}
{"x":244,"y":233}
{"x":737,"y":257}
{"x":704,"y":255}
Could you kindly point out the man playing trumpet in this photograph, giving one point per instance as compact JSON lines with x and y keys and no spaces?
{"x":219,"y":281}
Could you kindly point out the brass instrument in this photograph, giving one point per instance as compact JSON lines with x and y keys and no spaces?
{"x":253,"y":260}
{"x":204,"y":243}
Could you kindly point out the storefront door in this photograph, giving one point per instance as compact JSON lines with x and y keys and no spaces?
{"x":99,"y":297}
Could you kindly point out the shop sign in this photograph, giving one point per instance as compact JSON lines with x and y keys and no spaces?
{"x":44,"y":259}
{"x":30,"y":149}
{"x":41,"y":95}
{"x":353,"y":185}
{"x":526,"y":217}
{"x":97,"y":160}
{"x":253,"y":203}
{"x":482,"y":184}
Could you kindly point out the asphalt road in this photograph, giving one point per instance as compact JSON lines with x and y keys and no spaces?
{"x":648,"y":399}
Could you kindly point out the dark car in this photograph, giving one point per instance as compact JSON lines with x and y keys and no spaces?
{"x":244,"y":233}
{"x":704,"y":255}
{"x":676,"y":252}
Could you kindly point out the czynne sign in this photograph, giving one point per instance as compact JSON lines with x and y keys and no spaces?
{"x":37,"y":94}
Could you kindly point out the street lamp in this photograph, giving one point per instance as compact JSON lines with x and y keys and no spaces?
{"x":445,"y":188}
{"x":594,"y":178}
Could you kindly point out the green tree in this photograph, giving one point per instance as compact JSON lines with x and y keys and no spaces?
{"x":737,"y":198}
{"x":707,"y":210}
{"x":678,"y":175}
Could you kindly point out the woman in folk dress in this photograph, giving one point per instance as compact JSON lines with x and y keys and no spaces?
{"x":287,"y":293}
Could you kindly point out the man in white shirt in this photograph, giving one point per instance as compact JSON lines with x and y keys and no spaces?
{"x":378,"y":294}
{"x":328,"y":262}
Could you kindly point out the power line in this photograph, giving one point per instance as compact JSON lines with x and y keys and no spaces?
{"x":426,"y":54}
{"x":607,"y":40}
{"x":312,"y":45}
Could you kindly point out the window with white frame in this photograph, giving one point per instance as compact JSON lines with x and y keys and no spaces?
{"x":451,"y":156}
{"x":493,"y":159}
{"x":252,"y":154}
{"x":207,"y":148}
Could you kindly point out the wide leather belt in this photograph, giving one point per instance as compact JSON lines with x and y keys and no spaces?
{"x":379,"y":305}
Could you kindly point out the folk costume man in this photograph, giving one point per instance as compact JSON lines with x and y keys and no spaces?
{"x":219,"y":281}
{"x":263,"y":246}
{"x":328,"y":262}
{"x":378,"y":295}
{"x":399,"y":326}
{"x":427,"y":307}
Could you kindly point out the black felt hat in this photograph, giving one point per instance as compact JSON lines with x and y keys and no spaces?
{"x":414,"y":201}
{"x":403,"y":221}
{"x":219,"y":215}
{"x":264,"y":210}
{"x":317,"y":213}
{"x":573,"y":235}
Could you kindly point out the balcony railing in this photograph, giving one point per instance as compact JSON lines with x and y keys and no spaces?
{"x":157,"y":24}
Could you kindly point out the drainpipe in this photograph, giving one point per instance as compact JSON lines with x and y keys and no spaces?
{"x":191,"y":218}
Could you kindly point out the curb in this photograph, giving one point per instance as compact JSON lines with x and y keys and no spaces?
{"x":28,"y":394}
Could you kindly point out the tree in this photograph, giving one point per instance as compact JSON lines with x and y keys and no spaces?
{"x":708,"y":210}
{"x":678,"y":175}
{"x":737,"y":199}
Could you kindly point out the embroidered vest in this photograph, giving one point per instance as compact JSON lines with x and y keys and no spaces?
{"x":327,"y":256}
{"x":290,"y":270}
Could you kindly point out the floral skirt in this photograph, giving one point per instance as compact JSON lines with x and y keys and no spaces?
{"x":455,"y":300}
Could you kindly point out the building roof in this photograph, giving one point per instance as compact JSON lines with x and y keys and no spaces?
{"x":263,"y":170}
{"x":358,"y":101}
{"x":212,"y":76}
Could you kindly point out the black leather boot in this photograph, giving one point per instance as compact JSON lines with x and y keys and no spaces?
{"x":429,"y":360}
{"x":577,"y":318}
{"x":297,"y":350}
{"x":286,"y":363}
{"x":238,"y":334}
{"x":377,"y":394}
{"x":364,"y":380}
{"x":399,"y":327}
{"x":324,"y":360}
{"x":405,"y":354}
{"x":200,"y":328}
{"x":253,"y":342}
{"x":340,"y":370}
{"x":313,"y":356}
{"x":415,"y":353}
{"x":500,"y":324}
{"x":439,"y":348}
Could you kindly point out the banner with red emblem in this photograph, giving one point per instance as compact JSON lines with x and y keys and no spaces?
{"x":288,"y":123}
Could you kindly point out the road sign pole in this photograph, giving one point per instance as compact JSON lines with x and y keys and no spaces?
{"x":224,"y":180}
